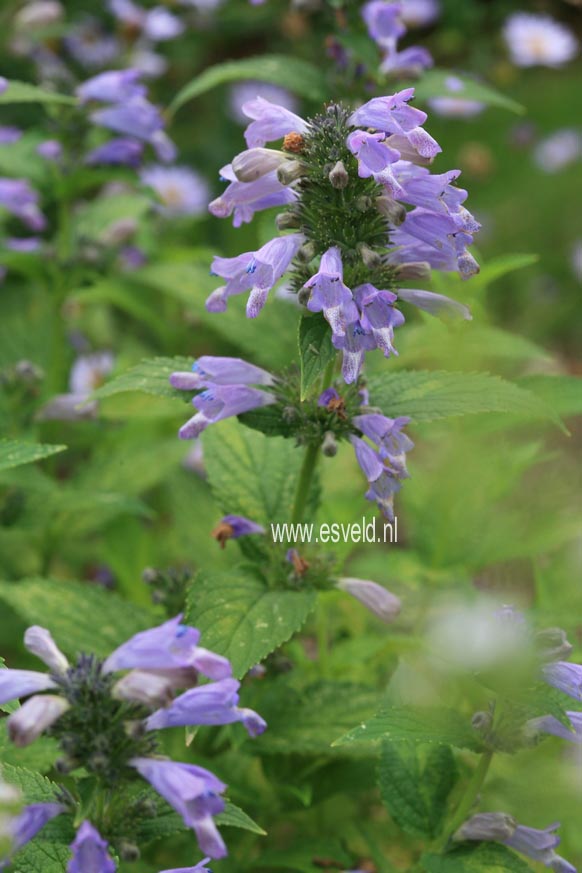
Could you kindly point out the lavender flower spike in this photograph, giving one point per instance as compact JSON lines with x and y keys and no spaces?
{"x":35,"y":716}
{"x":209,"y":370}
{"x":170,"y":646}
{"x":212,"y":704}
{"x":270,"y":122}
{"x":21,"y":683}
{"x":565,"y":677}
{"x":193,"y":792}
{"x":90,"y":853}
{"x":375,"y":597}
{"x":39,"y":641}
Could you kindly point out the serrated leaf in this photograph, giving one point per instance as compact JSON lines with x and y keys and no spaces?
{"x":292,"y":73}
{"x":315,"y":350}
{"x":14,"y":453}
{"x":267,"y":420}
{"x":242,"y":619}
{"x":22,"y":92}
{"x":306,"y":722}
{"x":415,"y":784}
{"x":427,"y":396}
{"x":482,"y":858}
{"x":149,"y":376}
{"x":39,"y":756}
{"x":250,"y":474}
{"x":416,"y":725}
{"x":34,"y":787}
{"x":235,"y":817}
{"x":167,"y":822}
{"x":433,"y":83}
{"x":81,"y":617}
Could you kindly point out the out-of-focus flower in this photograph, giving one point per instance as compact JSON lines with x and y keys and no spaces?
{"x":535,"y":39}
{"x":140,"y":119}
{"x":87,"y":374}
{"x":577,"y":259}
{"x":19,"y":829}
{"x":9,"y":135}
{"x":386,"y":26}
{"x":455,"y":105}
{"x":244,"y":92}
{"x":120,"y":151}
{"x":376,"y":598}
{"x":559,"y":150}
{"x":90,"y":45}
{"x":90,"y":853}
{"x":548,"y":724}
{"x":419,"y":13}
{"x":50,"y":150}
{"x":181,"y":191}
{"x":38,"y":15}
{"x":18,"y":198}
{"x":3,"y":84}
{"x":113,"y":86}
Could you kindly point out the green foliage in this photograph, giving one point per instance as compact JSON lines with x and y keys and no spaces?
{"x":81,"y":618}
{"x":316,"y":351}
{"x":482,"y":858}
{"x":415,"y":783}
{"x":14,"y":453}
{"x":23,"y":92}
{"x":407,"y":724}
{"x":40,"y":756}
{"x":241,"y":618}
{"x":427,"y":396}
{"x":299,"y":76}
{"x":149,"y":376}
{"x":434,"y":84}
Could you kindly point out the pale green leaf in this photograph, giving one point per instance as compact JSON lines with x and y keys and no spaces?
{"x":241,"y":618}
{"x":415,"y":725}
{"x":562,"y":393}
{"x":150,"y":376}
{"x":14,"y":453}
{"x":433,"y":83}
{"x":481,"y":858}
{"x":22,"y":92}
{"x":95,"y":217}
{"x":295,"y":74}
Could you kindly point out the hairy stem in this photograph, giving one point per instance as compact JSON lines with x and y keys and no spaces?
{"x":304,"y":484}
{"x":468,"y":799}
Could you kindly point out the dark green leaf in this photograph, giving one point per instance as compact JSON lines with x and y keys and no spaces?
{"x":481,"y":858}
{"x":417,"y":725}
{"x":315,"y":350}
{"x":14,"y":453}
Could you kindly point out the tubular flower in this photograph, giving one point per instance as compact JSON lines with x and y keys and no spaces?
{"x":386,"y":25}
{"x":104,"y":723}
{"x":372,"y":163}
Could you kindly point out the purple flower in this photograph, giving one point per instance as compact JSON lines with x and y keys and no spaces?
{"x":378,"y":316}
{"x":436,"y":238}
{"x":330,"y":295}
{"x":193,"y":792}
{"x":50,"y":150}
{"x":436,"y":304}
{"x":539,"y":40}
{"x":453,"y":104}
{"x":419,"y":13}
{"x":384,"y":465}
{"x":393,"y":115}
{"x":560,"y":150}
{"x":89,"y":372}
{"x":375,"y":597}
{"x":375,"y":158}
{"x":548,"y":724}
{"x":140,"y":119}
{"x":37,"y":714}
{"x":152,"y":688}
{"x":199,"y":868}
{"x":408,"y":62}
{"x":243,"y":199}
{"x":26,"y":825}
{"x":9,"y":135}
{"x":39,"y":641}
{"x":121,"y":151}
{"x":170,"y":646}
{"x":180,"y":190}
{"x":211,"y":704}
{"x":220,"y":402}
{"x":231,"y":527}
{"x":565,"y":677}
{"x":160,"y":25}
{"x":25,"y":245}
{"x":88,"y":44}
{"x":243,"y":92}
{"x":383,"y":21}
{"x":3,"y":84}
{"x":22,"y":683}
{"x":18,"y":198}
{"x":250,"y":165}
{"x":114,"y":86}
{"x":270,"y":122}
{"x":90,"y":853}
{"x":387,"y":434}
{"x":209,"y":370}
{"x":255,"y":271}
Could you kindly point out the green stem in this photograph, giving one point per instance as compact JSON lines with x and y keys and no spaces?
{"x":468,"y":799}
{"x":304,"y":484}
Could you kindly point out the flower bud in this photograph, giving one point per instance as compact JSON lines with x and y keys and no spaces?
{"x":329,"y":447}
{"x":375,"y":597}
{"x":38,"y":15}
{"x":395,"y":212}
{"x":140,"y":686}
{"x":128,"y":851}
{"x":250,"y":165}
{"x":306,"y":254}
{"x":553,"y":644}
{"x":35,"y":716}
{"x":481,"y":721}
{"x":287,"y":221}
{"x":39,"y":641}
{"x":364,"y":203}
{"x":487,"y":826}
{"x":413,"y":270}
{"x":290,"y":171}
{"x":339,"y":176}
{"x":371,"y":259}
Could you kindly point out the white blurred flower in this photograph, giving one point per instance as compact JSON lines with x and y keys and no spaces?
{"x":89,"y":372}
{"x":559,"y":150}
{"x":539,"y":40}
{"x":180,"y":190}
{"x":455,"y":106}
{"x":420,"y":13}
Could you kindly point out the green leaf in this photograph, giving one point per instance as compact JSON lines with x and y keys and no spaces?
{"x":34,"y":787}
{"x":14,"y":453}
{"x":306,"y":722}
{"x":251,"y":474}
{"x":415,"y":784}
{"x":234,"y":817}
{"x":433,"y":83}
{"x":562,"y":393}
{"x":242,"y":619}
{"x":94,"y":218}
{"x":482,"y":858}
{"x":42,"y":856}
{"x":426,"y":396}
{"x":40,"y":755}
{"x":305,"y":856}
{"x":417,"y":725}
{"x":299,"y":76}
{"x":150,"y":376}
{"x":22,"y":92}
{"x":315,"y":350}
{"x":82,"y":618}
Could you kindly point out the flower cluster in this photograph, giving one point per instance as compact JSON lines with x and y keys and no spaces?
{"x":104,"y":714}
{"x":372,"y":163}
